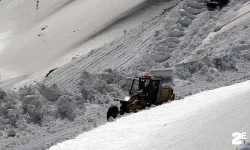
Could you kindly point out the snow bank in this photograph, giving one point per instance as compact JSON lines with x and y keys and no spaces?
{"x":40,"y":106}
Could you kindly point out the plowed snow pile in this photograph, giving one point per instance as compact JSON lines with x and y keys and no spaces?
{"x":208,"y":49}
{"x":39,"y":110}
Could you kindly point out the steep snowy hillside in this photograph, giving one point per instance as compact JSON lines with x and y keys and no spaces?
{"x":33,"y":35}
{"x":204,"y":121}
{"x":207,"y":49}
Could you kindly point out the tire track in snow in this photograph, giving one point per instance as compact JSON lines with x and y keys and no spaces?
{"x":90,"y":63}
{"x":107,"y":57}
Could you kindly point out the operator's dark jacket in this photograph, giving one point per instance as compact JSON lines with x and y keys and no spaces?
{"x":151,"y":91}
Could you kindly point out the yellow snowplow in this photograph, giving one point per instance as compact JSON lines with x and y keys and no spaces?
{"x":153,"y":88}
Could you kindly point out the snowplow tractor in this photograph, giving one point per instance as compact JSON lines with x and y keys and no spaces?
{"x":152,"y":89}
{"x":213,"y":4}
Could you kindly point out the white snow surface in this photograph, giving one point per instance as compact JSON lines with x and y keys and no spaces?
{"x":202,"y":121}
{"x":74,"y":98}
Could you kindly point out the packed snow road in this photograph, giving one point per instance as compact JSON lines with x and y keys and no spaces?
{"x":202,"y":121}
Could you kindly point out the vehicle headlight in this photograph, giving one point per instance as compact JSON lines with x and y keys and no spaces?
{"x":127,"y":98}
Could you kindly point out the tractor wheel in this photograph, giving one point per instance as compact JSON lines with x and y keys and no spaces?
{"x":149,"y":104}
{"x":124,"y":109}
{"x":112,"y":112}
{"x":173,"y":97}
{"x":135,"y":111}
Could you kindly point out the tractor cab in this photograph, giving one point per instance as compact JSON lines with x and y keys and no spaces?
{"x":140,"y":89}
{"x":139,"y":84}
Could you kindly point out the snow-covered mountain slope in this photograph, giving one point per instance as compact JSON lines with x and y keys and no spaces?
{"x":34,"y":36}
{"x":180,"y":38}
{"x":202,"y":121}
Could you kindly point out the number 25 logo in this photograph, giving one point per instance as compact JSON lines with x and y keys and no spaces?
{"x":238,"y":138}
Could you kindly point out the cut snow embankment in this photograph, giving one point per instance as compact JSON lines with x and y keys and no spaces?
{"x":202,"y":121}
